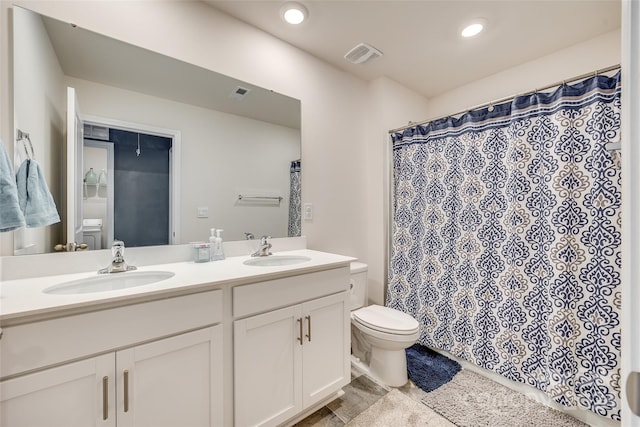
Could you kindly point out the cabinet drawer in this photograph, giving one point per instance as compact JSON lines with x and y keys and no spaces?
{"x":40,"y":344}
{"x":268,"y":295}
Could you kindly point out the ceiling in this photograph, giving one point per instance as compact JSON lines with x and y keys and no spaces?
{"x":90,"y":56}
{"x":419,"y":38}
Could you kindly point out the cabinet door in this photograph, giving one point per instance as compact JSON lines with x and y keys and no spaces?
{"x":78,"y":394}
{"x":326,"y":349}
{"x":172,"y":382}
{"x":267,"y":367}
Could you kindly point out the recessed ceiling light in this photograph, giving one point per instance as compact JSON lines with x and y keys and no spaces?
{"x":474,"y":28}
{"x":294,"y":13}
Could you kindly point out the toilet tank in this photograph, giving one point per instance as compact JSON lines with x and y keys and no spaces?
{"x":358,"y":292}
{"x":92,"y":233}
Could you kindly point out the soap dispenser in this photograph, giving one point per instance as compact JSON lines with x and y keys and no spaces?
{"x":90,"y":177}
{"x":218,"y":252}
{"x":212,"y":243}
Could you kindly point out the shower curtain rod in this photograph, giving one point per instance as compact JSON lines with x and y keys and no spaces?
{"x":507,"y":98}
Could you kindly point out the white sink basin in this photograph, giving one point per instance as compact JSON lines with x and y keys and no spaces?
{"x":276,"y":260}
{"x":108,"y":282}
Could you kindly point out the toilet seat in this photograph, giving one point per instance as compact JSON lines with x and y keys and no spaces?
{"x":386,"y":320}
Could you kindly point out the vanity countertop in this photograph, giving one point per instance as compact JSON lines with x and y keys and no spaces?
{"x":23,"y":300}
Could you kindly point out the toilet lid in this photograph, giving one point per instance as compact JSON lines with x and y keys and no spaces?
{"x":386,"y":319}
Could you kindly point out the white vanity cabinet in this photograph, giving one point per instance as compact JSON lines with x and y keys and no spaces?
{"x":223,"y":345}
{"x":172,"y":381}
{"x":68,"y":395}
{"x":267,"y":368}
{"x":326,"y":348}
{"x":288,"y":359}
{"x":168,"y":382}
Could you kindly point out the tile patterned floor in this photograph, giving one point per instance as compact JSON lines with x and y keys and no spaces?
{"x":359,"y":395}
{"x":363,"y":392}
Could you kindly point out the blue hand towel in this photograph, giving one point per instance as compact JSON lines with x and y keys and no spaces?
{"x":36,"y":201}
{"x":11,"y":216}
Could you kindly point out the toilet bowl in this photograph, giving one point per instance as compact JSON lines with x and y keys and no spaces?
{"x":379,"y":335}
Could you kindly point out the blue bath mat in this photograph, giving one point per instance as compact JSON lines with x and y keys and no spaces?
{"x":429,"y":369}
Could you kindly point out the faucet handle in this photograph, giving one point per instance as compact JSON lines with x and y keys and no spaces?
{"x":264,"y":240}
{"x":117,"y":249}
{"x":249,"y":236}
{"x":117,"y":263}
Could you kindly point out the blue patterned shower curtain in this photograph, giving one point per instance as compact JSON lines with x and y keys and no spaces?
{"x":295,"y":197}
{"x":506,"y":240}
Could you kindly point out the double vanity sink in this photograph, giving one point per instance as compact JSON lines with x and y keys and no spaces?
{"x":132,"y":279}
{"x":276,"y":260}
{"x":111,"y":282}
{"x":100,"y":337}
{"x":36,"y":298}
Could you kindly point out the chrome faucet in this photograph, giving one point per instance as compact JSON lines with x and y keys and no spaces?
{"x":265,"y":246}
{"x":118,"y":264}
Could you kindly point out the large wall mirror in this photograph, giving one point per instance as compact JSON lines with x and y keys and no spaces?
{"x":169,"y":150}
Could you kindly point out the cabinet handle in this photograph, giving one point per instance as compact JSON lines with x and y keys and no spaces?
{"x":126,"y":391}
{"x":105,"y":398}
{"x":300,"y":336}
{"x":308,"y":327}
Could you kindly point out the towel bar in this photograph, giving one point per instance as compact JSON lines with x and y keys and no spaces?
{"x":278,"y":198}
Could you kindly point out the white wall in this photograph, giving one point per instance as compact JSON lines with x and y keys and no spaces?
{"x":6,"y":102}
{"x":222,"y":155}
{"x":630,"y":316}
{"x":391,"y":106}
{"x":599,"y":52}
{"x":39,"y":110}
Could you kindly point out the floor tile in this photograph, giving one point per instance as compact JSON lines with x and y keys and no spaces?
{"x":398,"y":409}
{"x":360,"y":394}
{"x":352,"y":409}
{"x":323,"y":417}
{"x":413,"y":391}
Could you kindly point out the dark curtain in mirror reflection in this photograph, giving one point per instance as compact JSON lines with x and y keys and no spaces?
{"x":295,"y":197}
{"x":141,"y":188}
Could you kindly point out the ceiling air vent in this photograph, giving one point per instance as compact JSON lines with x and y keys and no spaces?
{"x":96,"y":132}
{"x":362,"y":53}
{"x":239,"y":93}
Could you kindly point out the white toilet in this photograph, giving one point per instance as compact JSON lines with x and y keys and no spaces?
{"x":379,"y":335}
{"x":92,"y":233}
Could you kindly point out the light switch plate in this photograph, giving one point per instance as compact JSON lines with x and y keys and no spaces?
{"x":307,"y":211}
{"x":202,"y":212}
